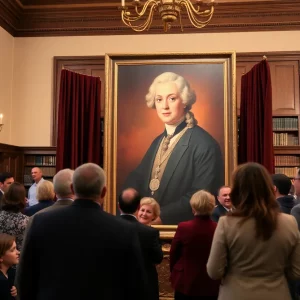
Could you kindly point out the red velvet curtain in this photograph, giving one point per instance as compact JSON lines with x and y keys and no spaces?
{"x":255,"y":130}
{"x":79,"y":123}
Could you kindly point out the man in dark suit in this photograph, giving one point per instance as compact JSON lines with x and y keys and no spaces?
{"x":129,"y":202}
{"x":182,"y":160}
{"x":6,"y":179}
{"x":282,"y":187}
{"x":81,"y":252}
{"x":196,"y":163}
{"x":224,"y":205}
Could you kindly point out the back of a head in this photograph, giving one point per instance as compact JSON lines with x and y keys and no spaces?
{"x":129,"y":201}
{"x":203,"y":203}
{"x":282,"y":183}
{"x":45,"y":191}
{"x":88,"y":181}
{"x":253,"y":196}
{"x":62,"y":183}
{"x":14,"y":198}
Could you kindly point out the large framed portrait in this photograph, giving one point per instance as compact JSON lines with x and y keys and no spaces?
{"x":170,"y":127}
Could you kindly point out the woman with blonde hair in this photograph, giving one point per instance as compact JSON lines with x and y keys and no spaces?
{"x":45,"y":195}
{"x":149,"y":210}
{"x":254,"y":247}
{"x":190,"y":250}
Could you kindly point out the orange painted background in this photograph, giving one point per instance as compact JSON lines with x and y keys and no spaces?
{"x":138,"y":125}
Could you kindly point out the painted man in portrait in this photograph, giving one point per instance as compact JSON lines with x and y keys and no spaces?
{"x":183,"y":159}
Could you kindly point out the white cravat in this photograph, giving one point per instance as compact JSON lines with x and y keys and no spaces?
{"x":171,"y":129}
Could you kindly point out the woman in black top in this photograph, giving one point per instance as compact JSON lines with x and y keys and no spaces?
{"x":9,"y":256}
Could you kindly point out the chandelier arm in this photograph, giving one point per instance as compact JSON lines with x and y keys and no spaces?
{"x":205,"y":13}
{"x":197,"y":23}
{"x":143,"y":26}
{"x":142,"y":12}
{"x":128,"y":18}
{"x":180,"y":21}
{"x":140,"y":27}
{"x":169,"y":14}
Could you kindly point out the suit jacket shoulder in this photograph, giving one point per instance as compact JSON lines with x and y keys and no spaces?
{"x":149,"y":240}
{"x":199,"y":133}
{"x":111,"y":244}
{"x":218,"y":212}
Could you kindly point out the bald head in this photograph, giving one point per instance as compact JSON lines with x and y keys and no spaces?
{"x":89,"y":182}
{"x":128,"y":194}
{"x":36,"y":174}
{"x":129,"y":201}
{"x":62,"y":182}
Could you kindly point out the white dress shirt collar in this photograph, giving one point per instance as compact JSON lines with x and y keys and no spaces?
{"x":171,"y":128}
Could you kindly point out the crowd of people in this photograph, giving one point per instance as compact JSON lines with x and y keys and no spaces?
{"x":61,"y":244}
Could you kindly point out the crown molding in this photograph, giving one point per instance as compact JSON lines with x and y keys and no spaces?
{"x":23,"y":20}
{"x":10,"y":13}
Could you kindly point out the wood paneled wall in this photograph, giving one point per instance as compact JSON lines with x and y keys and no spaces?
{"x":284,"y":69}
{"x":12,"y":160}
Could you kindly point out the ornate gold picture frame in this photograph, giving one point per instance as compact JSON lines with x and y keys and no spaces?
{"x":130,"y":126}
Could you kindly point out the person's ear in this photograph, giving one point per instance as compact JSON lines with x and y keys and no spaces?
{"x":103,"y":193}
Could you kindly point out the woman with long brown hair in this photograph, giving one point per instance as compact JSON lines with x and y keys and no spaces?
{"x":254,"y":247}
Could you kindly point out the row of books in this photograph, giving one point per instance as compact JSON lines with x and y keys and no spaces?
{"x":40,"y":160}
{"x":47,"y":171}
{"x":287,"y":160}
{"x":285,"y":139}
{"x":288,"y":171}
{"x":27,"y":179}
{"x":285,"y":123}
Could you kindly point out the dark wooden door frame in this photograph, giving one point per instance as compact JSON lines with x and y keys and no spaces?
{"x":60,"y":63}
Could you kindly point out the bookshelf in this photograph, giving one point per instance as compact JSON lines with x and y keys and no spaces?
{"x":285,"y":131}
{"x":41,"y":157}
{"x":286,"y":144}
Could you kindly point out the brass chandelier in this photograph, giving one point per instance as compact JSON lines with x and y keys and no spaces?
{"x":169,"y":11}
